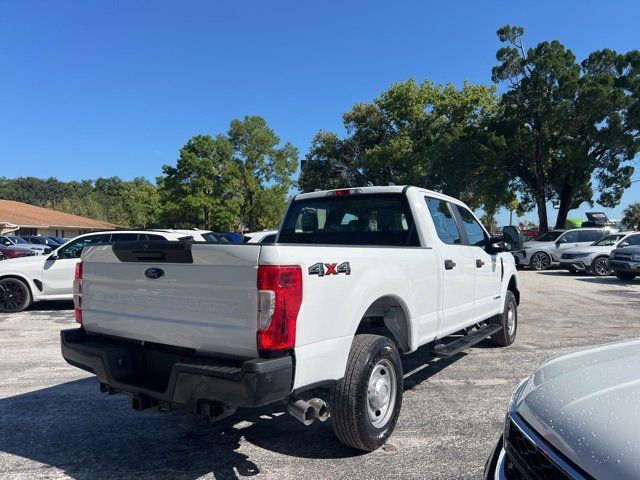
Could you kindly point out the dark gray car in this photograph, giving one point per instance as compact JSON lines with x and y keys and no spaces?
{"x":625,"y":262}
{"x":576,"y":417}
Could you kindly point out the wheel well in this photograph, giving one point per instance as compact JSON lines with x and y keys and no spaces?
{"x":22,"y":279}
{"x":513,"y":288}
{"x":387,"y":317}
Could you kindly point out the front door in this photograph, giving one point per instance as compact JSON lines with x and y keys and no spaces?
{"x":457,"y":266}
{"x":59,"y":269}
{"x":488,"y":267}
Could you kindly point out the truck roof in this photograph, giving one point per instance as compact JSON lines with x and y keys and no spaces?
{"x":375,"y":189}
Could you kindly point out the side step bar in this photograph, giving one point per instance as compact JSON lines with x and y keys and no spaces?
{"x":446,"y":350}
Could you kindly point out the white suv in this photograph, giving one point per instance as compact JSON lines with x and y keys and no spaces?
{"x":545,"y":251}
{"x":50,"y":277}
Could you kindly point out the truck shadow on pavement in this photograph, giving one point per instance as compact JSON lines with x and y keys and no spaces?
{"x":85,"y":434}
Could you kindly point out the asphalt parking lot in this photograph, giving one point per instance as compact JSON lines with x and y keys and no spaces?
{"x":54,"y":423}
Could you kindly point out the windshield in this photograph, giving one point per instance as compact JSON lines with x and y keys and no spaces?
{"x":549,"y":237}
{"x":18,"y":240}
{"x":373,"y":219}
{"x":608,"y":241}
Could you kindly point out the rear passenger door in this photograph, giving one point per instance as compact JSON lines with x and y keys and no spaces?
{"x":457,"y":267}
{"x":488,"y":267}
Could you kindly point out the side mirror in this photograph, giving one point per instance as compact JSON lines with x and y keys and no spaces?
{"x":623,"y":244}
{"x":513,"y":239}
{"x":53,"y":256}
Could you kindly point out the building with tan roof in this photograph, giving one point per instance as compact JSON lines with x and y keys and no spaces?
{"x":24,"y":219}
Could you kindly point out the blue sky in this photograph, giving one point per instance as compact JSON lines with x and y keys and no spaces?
{"x":92,"y":89}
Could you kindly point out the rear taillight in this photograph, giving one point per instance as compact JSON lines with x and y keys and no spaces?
{"x":279,"y":300}
{"x":77,"y":292}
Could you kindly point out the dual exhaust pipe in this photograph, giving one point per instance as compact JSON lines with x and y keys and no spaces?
{"x":308,"y":411}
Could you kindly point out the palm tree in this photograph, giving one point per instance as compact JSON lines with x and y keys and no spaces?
{"x":632,"y":216}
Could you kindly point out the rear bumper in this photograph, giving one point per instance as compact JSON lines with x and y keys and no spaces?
{"x":163,"y":377}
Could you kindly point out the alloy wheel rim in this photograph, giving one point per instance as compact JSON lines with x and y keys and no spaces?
{"x":540,"y":261}
{"x":601,"y":267}
{"x":12,"y":295}
{"x":381,"y":393}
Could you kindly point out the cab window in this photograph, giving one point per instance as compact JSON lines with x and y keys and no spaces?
{"x":74,"y":248}
{"x":444,"y":221}
{"x":475,"y":233}
{"x":124,"y":237}
{"x":570,"y":237}
{"x":590,"y":235}
{"x":633,"y":240}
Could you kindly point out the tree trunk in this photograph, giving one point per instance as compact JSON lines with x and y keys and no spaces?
{"x":543,"y":222}
{"x":206,"y":218}
{"x":566,"y":202}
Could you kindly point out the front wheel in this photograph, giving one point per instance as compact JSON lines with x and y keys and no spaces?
{"x":540,"y":261}
{"x":507,"y":335}
{"x":600,"y":267}
{"x":14,"y":295}
{"x":628,"y":276}
{"x":366,"y":402}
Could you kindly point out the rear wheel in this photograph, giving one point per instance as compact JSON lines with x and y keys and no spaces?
{"x":507,"y":335}
{"x":625,"y":275}
{"x":600,"y":267}
{"x":366,"y":402}
{"x":14,"y":295}
{"x":540,"y":261}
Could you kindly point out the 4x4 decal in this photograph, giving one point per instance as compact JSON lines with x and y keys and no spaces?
{"x":322,"y":269}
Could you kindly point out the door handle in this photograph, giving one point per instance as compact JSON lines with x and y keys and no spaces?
{"x":479,"y":263}
{"x":449,"y":264}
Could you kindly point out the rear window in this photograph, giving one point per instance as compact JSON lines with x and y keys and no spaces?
{"x":374,"y":219}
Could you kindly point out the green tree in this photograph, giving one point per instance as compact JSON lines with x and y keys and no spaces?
{"x":264,"y":170}
{"x":199,"y":190}
{"x":631,"y":217}
{"x":421,"y":134}
{"x":567,"y":124}
{"x":233,"y":182}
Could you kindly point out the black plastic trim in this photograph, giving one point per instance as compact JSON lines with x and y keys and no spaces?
{"x":167,"y":376}
{"x":153,"y":251}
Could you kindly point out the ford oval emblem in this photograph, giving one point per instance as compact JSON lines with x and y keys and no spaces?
{"x":154,"y":273}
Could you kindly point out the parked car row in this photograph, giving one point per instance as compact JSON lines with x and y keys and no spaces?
{"x":35,"y":243}
{"x":596,"y":251}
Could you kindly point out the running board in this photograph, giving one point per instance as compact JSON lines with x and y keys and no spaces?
{"x":446,"y":350}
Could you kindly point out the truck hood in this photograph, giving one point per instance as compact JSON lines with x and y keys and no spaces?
{"x":587,"y":405}
{"x":629,"y":250}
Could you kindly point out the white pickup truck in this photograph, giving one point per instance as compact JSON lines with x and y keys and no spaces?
{"x":317,"y":319}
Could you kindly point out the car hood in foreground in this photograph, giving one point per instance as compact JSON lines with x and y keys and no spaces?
{"x":587,"y":405}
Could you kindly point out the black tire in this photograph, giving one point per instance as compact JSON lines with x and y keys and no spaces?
{"x":600,"y":267}
{"x":572,"y":270}
{"x":507,"y":335}
{"x":540,"y":261}
{"x":626,"y":276}
{"x":351,"y":398}
{"x":15,"y":295}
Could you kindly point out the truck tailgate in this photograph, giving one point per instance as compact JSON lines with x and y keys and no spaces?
{"x":204,"y":296}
